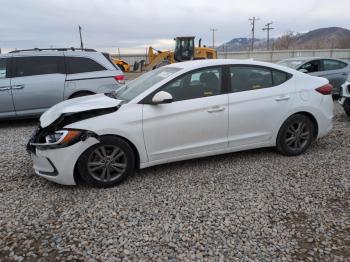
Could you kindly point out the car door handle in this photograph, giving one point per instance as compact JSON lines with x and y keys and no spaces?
{"x":5,"y":88}
{"x":18,"y":87}
{"x":215,"y":109}
{"x":282,"y":98}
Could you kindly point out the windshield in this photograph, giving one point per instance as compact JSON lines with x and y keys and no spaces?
{"x":142,"y":83}
{"x":291,"y":63}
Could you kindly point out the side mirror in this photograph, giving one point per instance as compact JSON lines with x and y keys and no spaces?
{"x":303,"y":70}
{"x":162,"y":97}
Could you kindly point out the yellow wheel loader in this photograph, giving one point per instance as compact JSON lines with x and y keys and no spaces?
{"x":124,"y":66}
{"x":185,"y":50}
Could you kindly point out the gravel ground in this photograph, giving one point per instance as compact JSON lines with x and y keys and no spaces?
{"x":255,"y":205}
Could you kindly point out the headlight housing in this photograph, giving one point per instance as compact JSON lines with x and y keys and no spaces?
{"x":60,"y":138}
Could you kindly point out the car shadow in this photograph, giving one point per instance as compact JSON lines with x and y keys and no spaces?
{"x":12,"y":123}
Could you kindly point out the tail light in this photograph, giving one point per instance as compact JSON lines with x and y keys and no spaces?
{"x":120,"y":79}
{"x":325,"y":90}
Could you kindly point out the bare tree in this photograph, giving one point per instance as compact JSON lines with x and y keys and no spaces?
{"x":284,"y":42}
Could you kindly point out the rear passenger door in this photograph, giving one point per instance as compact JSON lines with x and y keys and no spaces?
{"x":260,"y":98}
{"x":84,"y":74}
{"x":6,"y":104}
{"x":37,"y":83}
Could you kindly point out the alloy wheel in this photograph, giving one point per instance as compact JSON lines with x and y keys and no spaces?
{"x":297,"y":135}
{"x":107,"y":163}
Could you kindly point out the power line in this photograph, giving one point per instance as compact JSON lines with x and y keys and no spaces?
{"x":253,"y":20}
{"x":268,"y":28}
{"x":213,"y":30}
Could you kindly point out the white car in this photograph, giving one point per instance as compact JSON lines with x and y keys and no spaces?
{"x":177,"y":112}
{"x":344,"y":99}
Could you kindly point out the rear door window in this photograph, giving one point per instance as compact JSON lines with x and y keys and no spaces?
{"x":329,"y":64}
{"x":77,"y":65}
{"x":247,"y":78}
{"x":38,"y":65}
{"x":279,"y":77}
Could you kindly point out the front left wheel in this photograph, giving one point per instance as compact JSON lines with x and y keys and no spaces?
{"x":107,"y":163}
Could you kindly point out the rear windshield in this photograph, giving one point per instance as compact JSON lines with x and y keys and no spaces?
{"x":142,"y":83}
{"x":106,"y":55}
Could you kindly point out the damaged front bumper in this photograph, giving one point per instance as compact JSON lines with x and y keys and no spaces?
{"x":56,"y":162}
{"x":55,"y":149}
{"x":58,"y":165}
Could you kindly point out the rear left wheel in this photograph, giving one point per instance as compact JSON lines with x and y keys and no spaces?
{"x":107,"y":163}
{"x":295,"y":135}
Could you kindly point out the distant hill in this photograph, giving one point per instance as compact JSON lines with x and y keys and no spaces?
{"x":322,"y":38}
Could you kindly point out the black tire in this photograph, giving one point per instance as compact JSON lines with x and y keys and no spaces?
{"x":136,"y":66}
{"x":295,"y":135}
{"x":80,"y":94}
{"x":346,"y":106}
{"x":97,"y":177}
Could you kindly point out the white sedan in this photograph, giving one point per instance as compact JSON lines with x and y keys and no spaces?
{"x":177,"y":112}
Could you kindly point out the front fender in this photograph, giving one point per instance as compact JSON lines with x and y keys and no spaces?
{"x":125,"y":123}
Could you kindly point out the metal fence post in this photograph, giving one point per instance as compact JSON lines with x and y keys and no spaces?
{"x":271,"y":56}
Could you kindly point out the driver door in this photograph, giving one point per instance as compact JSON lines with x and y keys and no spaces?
{"x":195,"y":123}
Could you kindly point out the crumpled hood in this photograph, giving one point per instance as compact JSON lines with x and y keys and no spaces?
{"x":75,"y":105}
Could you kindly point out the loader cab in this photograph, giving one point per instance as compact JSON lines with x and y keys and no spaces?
{"x":184,"y":48}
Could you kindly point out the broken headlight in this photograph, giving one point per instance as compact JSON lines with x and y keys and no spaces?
{"x":61,"y":138}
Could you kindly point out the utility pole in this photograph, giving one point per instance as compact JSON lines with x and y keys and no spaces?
{"x":81,"y":39}
{"x":213,"y":30}
{"x":252,"y":22}
{"x":119,"y":53}
{"x":268,"y":28}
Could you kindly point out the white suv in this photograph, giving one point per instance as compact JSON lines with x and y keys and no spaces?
{"x":31,"y":81}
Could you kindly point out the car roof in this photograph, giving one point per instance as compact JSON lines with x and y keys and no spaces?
{"x":89,"y":53}
{"x":193,"y":64}
{"x":53,"y":52}
{"x":309,"y":58}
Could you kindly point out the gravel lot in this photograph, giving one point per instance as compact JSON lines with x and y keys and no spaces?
{"x":255,"y":205}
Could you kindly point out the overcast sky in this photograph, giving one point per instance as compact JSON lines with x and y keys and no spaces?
{"x":134,"y":24}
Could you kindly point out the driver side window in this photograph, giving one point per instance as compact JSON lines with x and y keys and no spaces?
{"x":202,"y":83}
{"x":312,"y":66}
